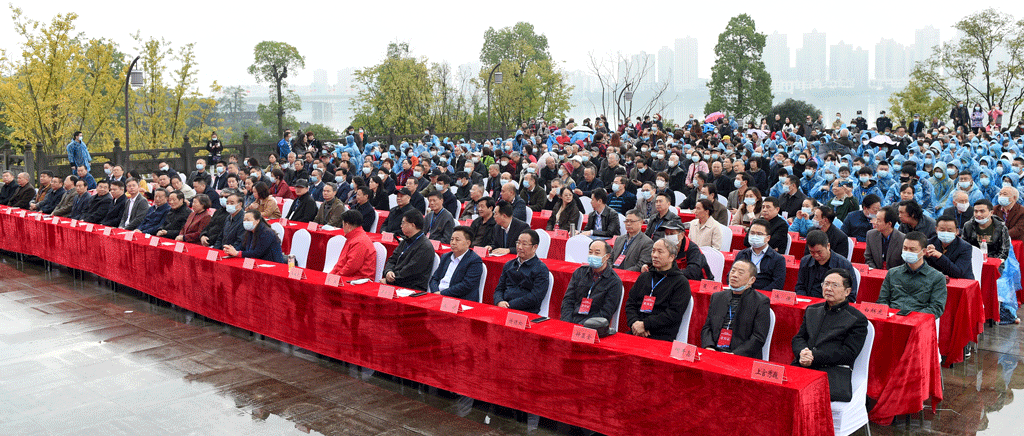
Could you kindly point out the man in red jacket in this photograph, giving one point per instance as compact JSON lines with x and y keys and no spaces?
{"x":358,"y":259}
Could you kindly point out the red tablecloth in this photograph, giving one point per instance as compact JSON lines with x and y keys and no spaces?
{"x":609,"y":387}
{"x":1018,"y":250}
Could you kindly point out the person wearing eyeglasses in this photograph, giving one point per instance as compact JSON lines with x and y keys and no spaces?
{"x":771,"y":266}
{"x":738,"y":316}
{"x":632,"y":250}
{"x":524,"y":280}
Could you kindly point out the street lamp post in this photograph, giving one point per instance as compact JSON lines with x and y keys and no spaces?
{"x":497,"y":79}
{"x":132,"y":79}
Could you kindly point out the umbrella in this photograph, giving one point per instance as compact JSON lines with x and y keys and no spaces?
{"x":582,"y":128}
{"x":714,"y":117}
{"x":761,"y":133}
{"x":881,"y":139}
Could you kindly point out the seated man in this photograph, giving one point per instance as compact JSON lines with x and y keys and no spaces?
{"x":832,"y":335}
{"x":858,"y":222}
{"x":394,"y":222}
{"x":135,"y":207}
{"x":619,"y":198}
{"x":663,"y":215}
{"x":690,"y":260}
{"x":99,"y":205}
{"x":985,"y":230}
{"x":778,"y":228}
{"x":53,"y":199}
{"x":482,"y":227}
{"x":506,"y":231}
{"x":358,"y":258}
{"x":331,"y":210}
{"x":67,"y":202}
{"x":659,"y":297}
{"x":915,"y":285}
{"x":771,"y":266}
{"x":633,"y":250}
{"x":458,"y":274}
{"x":524,"y":280}
{"x":176,"y":217}
{"x":821,"y":260}
{"x":594,"y":290}
{"x":23,"y":193}
{"x":303,"y":208}
{"x":603,"y":221}
{"x":156,"y":213}
{"x":80,"y":207}
{"x":823,"y":220}
{"x":409,"y":266}
{"x":1012,"y":213}
{"x":440,"y":222}
{"x":947,"y":252}
{"x":884,"y":243}
{"x":118,"y":202}
{"x":362,"y":204}
{"x":738,"y":317}
{"x":912,"y":218}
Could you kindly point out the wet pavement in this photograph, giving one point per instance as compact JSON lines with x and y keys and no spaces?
{"x":78,"y":358}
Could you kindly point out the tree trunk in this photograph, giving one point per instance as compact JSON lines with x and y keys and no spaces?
{"x":280,"y":109}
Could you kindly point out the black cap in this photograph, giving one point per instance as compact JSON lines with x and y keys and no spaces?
{"x":302,"y":183}
{"x":672,"y":225}
{"x":403,"y":191}
{"x":435,"y":172}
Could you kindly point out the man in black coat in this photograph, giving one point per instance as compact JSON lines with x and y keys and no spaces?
{"x":304,"y":208}
{"x":832,"y":335}
{"x":117,"y":205}
{"x":738,"y":317}
{"x":609,"y":219}
{"x":506,"y":230}
{"x":394,"y":222}
{"x":658,"y":299}
{"x":409,"y":266}
{"x":23,"y":192}
{"x":100,"y":203}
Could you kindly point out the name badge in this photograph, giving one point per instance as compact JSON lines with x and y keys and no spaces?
{"x":56,"y":220}
{"x":648,"y":305}
{"x":683,"y":351}
{"x":179,"y":247}
{"x":620,"y":259}
{"x":129,"y":236}
{"x":545,"y":213}
{"x":762,"y":370}
{"x":89,"y":227}
{"x":584,"y":335}
{"x":783,"y":297}
{"x":725,"y":338}
{"x":106,"y":231}
{"x":585,"y":306}
{"x":387,"y":237}
{"x":450,"y":305}
{"x":249,"y":263}
{"x":386,"y":291}
{"x":516,"y":321}
{"x":710,"y":287}
{"x":332,"y":280}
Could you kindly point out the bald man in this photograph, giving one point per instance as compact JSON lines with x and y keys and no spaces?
{"x":1010,"y":211}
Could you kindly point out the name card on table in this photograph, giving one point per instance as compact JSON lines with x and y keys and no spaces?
{"x":683,"y":351}
{"x":861,"y":267}
{"x":56,"y":220}
{"x":311,"y":227}
{"x":450,"y":305}
{"x":7,"y":210}
{"x":435,"y":244}
{"x":545,"y":213}
{"x":583,"y":334}
{"x":480,"y":251}
{"x":89,"y":227}
{"x":249,"y":263}
{"x":875,"y":310}
{"x":783,"y":297}
{"x":387,"y":237}
{"x":517,"y":321}
{"x":768,"y":372}
{"x":154,"y":242}
{"x":106,"y":231}
{"x":386,"y":291}
{"x":22,"y":213}
{"x":332,"y":280}
{"x":710,"y":286}
{"x":212,"y":255}
{"x":561,"y":233}
{"x":179,"y":247}
{"x":129,"y":236}
{"x":295,"y":273}
{"x":39,"y":216}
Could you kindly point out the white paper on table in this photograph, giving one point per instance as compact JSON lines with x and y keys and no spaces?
{"x":404,"y":292}
{"x":804,"y":300}
{"x":264,"y":265}
{"x":166,"y":243}
{"x":329,"y":227}
{"x":465,"y":307}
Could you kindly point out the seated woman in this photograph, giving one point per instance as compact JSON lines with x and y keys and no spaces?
{"x":260,"y":241}
{"x":566,"y":215}
{"x":802,"y":221}
{"x":264,"y":203}
{"x":749,"y":210}
{"x":197,"y":221}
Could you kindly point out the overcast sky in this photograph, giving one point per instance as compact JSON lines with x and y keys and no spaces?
{"x":337,"y":35}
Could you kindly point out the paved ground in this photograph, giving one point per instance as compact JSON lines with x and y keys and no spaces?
{"x":77,"y":358}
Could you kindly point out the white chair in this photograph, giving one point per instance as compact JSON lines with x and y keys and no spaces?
{"x":849,"y":252}
{"x":856,"y":278}
{"x":587,"y":207}
{"x":458,"y":210}
{"x":622,"y":224}
{"x":376,"y":222}
{"x":723,"y":200}
{"x":544,"y":245}
{"x":679,"y":197}
{"x":547,"y":297}
{"x":279,"y":229}
{"x":673,"y":210}
{"x":848,"y":417}
{"x":768,"y":340}
{"x":789,"y":242}
{"x":437,"y":262}
{"x":977,"y":261}
{"x":453,"y":189}
{"x":392,"y":201}
{"x":683,"y":334}
{"x":300,"y":247}
{"x":287,"y":206}
{"x":726,"y":245}
{"x":529,"y":217}
{"x":579,"y":223}
{"x":614,"y":324}
{"x":426,"y":204}
{"x":716,"y":260}
{"x":382,"y":256}
{"x":577,"y":248}
{"x":334,"y":246}
{"x":483,"y":281}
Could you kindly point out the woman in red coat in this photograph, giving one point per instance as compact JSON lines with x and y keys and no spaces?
{"x":197,"y":221}
{"x":280,"y":188}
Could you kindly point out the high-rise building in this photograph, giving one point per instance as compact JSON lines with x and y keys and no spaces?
{"x":776,"y":57}
{"x":924,"y":41}
{"x":859,"y":66}
{"x":839,"y":59}
{"x":810,"y":59}
{"x":891,"y":62}
{"x":665,"y":65}
{"x":684,"y":63}
{"x":320,"y":80}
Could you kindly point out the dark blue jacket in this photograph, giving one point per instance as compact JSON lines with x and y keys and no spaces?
{"x":771,"y":274}
{"x":51,"y":201}
{"x":956,"y":261}
{"x":262,"y":244}
{"x":588,"y":187}
{"x":856,"y":225}
{"x":80,"y":208}
{"x":465,"y":283}
{"x":523,"y":286}
{"x":154,"y":217}
{"x":233,"y":232}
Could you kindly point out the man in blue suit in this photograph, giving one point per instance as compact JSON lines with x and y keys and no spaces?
{"x":458,"y":274}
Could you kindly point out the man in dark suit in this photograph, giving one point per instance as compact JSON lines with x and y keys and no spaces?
{"x":524,"y":280}
{"x":519,"y":209}
{"x":663,"y":216}
{"x":409,"y":266}
{"x":304,"y":207}
{"x":506,"y":231}
{"x":440,"y":222}
{"x":135,"y":207}
{"x":482,"y":227}
{"x":394,"y":222}
{"x":825,"y":217}
{"x":83,"y":198}
{"x":771,"y":266}
{"x":23,"y":193}
{"x":832,"y":335}
{"x":113,"y":216}
{"x":632,"y":250}
{"x":884,"y":243}
{"x":603,"y":222}
{"x":458,"y":274}
{"x":947,"y":251}
{"x":738,"y":317}
{"x":202,"y":187}
{"x":199,"y":174}
{"x":100,"y":203}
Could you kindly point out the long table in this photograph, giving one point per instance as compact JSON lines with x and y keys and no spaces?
{"x":621,"y":385}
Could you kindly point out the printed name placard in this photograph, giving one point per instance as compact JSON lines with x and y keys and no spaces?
{"x":129,"y":236}
{"x":710,"y":286}
{"x":450,"y":305}
{"x":311,"y":227}
{"x":179,"y":247}
{"x":762,"y":370}
{"x":89,"y":227}
{"x":683,"y":351}
{"x":783,"y":297}
{"x":435,"y":244}
{"x":56,"y":220}
{"x":386,"y":291}
{"x":561,"y":233}
{"x":583,"y":334}
{"x":154,"y":242}
{"x":480,"y":251}
{"x":545,"y":213}
{"x":295,"y":273}
{"x":212,"y":255}
{"x":106,"y":231}
{"x":332,"y":280}
{"x":249,"y":263}
{"x":861,"y":267}
{"x":875,"y":310}
{"x":516,"y":321}
{"x":387,"y":237}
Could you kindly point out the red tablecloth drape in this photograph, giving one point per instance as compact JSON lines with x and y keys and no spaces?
{"x":608,"y":387}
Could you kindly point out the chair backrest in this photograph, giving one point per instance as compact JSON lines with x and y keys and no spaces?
{"x":458,"y":210}
{"x":437,"y":262}
{"x":544,"y":245}
{"x":376,"y":222}
{"x":453,"y":189}
{"x":716,"y":260}
{"x":622,"y":224}
{"x":849,"y":254}
{"x":334,"y":246}
{"x":577,"y":248}
{"x":300,"y":247}
{"x":287,"y":206}
{"x":615,"y":317}
{"x":859,"y":378}
{"x":789,"y":242}
{"x":279,"y":229}
{"x":768,"y":339}
{"x":673,"y":210}
{"x":683,"y":334}
{"x":726,"y":245}
{"x":547,"y":297}
{"x":856,"y":278}
{"x":977,"y":261}
{"x":529,"y":217}
{"x":587,"y":207}
{"x":723,"y":200}
{"x":392,"y":201}
{"x":579,"y":223}
{"x":382,"y":256}
{"x":483,"y":281}
{"x":679,"y":197}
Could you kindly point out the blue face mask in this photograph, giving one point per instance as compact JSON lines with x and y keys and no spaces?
{"x":829,"y":177}
{"x":802,"y":161}
{"x":231,"y":208}
{"x":985,"y":181}
{"x":248,"y":225}
{"x":595,"y":261}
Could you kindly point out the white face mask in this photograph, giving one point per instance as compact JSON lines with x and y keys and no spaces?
{"x":672,"y":238}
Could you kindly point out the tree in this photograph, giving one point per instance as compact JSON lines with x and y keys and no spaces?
{"x":916,"y":99}
{"x":271,"y":62}
{"x":270,"y":116}
{"x":531,"y":85}
{"x":795,"y":110}
{"x":619,"y":75}
{"x":232,"y":103}
{"x":395,"y":93}
{"x":740,"y":85}
{"x":986,"y":64}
